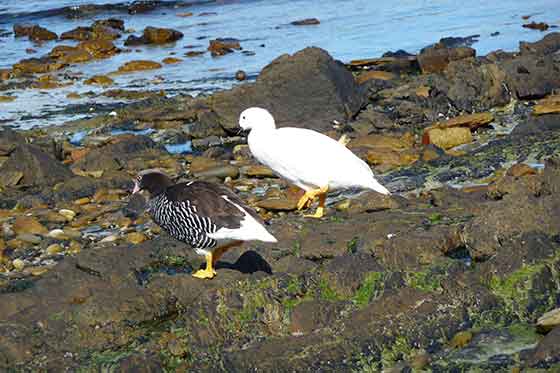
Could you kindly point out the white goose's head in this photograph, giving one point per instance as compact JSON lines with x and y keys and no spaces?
{"x":256,"y":118}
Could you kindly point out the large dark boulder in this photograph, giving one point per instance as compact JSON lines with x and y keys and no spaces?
{"x":307,"y":89}
{"x":34,"y":167}
{"x":436,"y":58}
{"x":9,"y":140}
{"x":531,"y":76}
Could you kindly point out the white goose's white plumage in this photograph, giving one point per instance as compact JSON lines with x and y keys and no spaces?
{"x":314,"y":162}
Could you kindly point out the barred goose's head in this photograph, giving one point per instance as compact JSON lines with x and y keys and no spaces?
{"x":153,"y":181}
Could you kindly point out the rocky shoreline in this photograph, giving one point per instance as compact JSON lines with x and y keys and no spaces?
{"x":452,"y":272}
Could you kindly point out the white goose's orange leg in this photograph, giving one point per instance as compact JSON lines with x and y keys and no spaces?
{"x":322,"y":193}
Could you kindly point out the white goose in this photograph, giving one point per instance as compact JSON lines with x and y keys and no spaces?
{"x":312,"y":161}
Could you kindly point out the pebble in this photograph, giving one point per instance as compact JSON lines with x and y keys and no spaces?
{"x":68,"y":214}
{"x":29,"y":224}
{"x":18,"y":264}
{"x":54,"y":249}
{"x":72,"y":233}
{"x":240,"y":75}
{"x":549,"y":320}
{"x":58,"y":234}
{"x":74,"y":247}
{"x":110,"y":239}
{"x":82,"y":201}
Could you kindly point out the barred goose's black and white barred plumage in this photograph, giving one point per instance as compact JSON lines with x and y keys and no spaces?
{"x":201,"y":214}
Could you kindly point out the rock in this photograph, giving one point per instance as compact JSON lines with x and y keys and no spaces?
{"x":115,"y":155}
{"x":447,"y":138}
{"x":532,"y":77}
{"x":368,"y":202}
{"x":154,"y":35}
{"x":69,"y":215}
{"x":541,"y":26}
{"x":471,"y":121}
{"x":171,"y":60}
{"x":139,"y":65}
{"x":136,"y":237}
{"x":534,"y":125}
{"x":79,"y":33}
{"x":37,"y":66}
{"x":29,"y":238}
{"x":184,"y":15}
{"x":240,"y":75}
{"x":308,"y":89}
{"x":548,"y":105}
{"x":34,"y":32}
{"x":54,"y":249}
{"x":374,"y":74}
{"x":388,"y":151}
{"x":520,"y":169}
{"x":461,"y":339}
{"x":102,"y":80}
{"x":28,"y":224}
{"x":306,"y":22}
{"x":220,"y":172}
{"x":257,"y":171}
{"x":113,"y":23}
{"x":58,"y":234}
{"x":18,"y":264}
{"x":221,"y":46}
{"x":435,"y":59}
{"x":549,"y":320}
{"x":311,"y":315}
{"x":547,"y":351}
{"x":38,"y":167}
{"x":7,"y":98}
{"x":67,"y":55}
{"x":99,"y":48}
{"x":194,"y":53}
{"x":547,"y":45}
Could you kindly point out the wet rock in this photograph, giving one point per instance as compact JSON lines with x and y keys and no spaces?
{"x":9,"y":140}
{"x":308,"y":89}
{"x":5,"y":74}
{"x":154,"y":35}
{"x":194,"y":53}
{"x":99,"y":48}
{"x":221,"y":46}
{"x":369,"y":202}
{"x":171,"y":60}
{"x":387,"y":151}
{"x":102,"y":80}
{"x":54,"y":249}
{"x":38,"y":167}
{"x":113,"y":23}
{"x":142,"y":6}
{"x":435,"y":59}
{"x":240,"y":75}
{"x":69,"y":215}
{"x":549,"y":320}
{"x":257,"y":171}
{"x":18,"y":264}
{"x":283,"y":203}
{"x":541,"y":26}
{"x":67,"y":55}
{"x":547,"y":45}
{"x":206,"y":125}
{"x":220,"y":172}
{"x":306,"y":22}
{"x":136,"y":237}
{"x":139,"y":65}
{"x":34,"y":32}
{"x":471,"y":121}
{"x":533,"y":125}
{"x":7,"y":98}
{"x":37,"y":65}
{"x":29,"y":238}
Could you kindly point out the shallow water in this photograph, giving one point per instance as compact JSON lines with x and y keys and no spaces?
{"x":349,"y":30}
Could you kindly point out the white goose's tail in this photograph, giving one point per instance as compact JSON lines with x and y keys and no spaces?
{"x":374,"y":185}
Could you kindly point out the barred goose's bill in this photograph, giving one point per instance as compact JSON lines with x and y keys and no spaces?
{"x":202,"y":214}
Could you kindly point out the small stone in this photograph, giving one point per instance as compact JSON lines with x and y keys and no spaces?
{"x":82,"y":201}
{"x":29,"y":238}
{"x":378,"y":75}
{"x":58,"y":234}
{"x":36,"y":271}
{"x":541,"y":26}
{"x":187,"y":14}
{"x":72,"y":233}
{"x":74,"y":247}
{"x":68,"y":214}
{"x":16,"y":244}
{"x":110,"y":239}
{"x":29,"y":224}
{"x":521,"y":169}
{"x":54,"y":249}
{"x":135,"y":238}
{"x":18,"y":264}
{"x":11,"y":178}
{"x":257,"y":171}
{"x":461,"y":339}
{"x":240,"y":75}
{"x":549,"y":320}
{"x":73,"y":95}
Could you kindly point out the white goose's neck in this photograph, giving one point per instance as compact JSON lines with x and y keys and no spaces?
{"x":261,"y":132}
